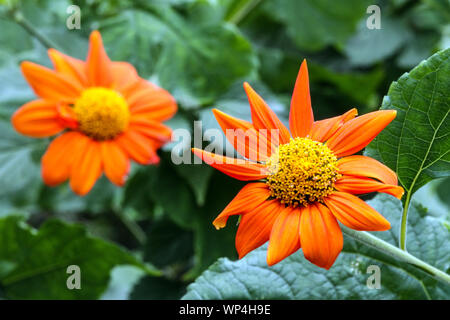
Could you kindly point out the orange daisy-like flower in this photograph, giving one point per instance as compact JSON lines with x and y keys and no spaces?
{"x":304,"y":184}
{"x":107,"y":115}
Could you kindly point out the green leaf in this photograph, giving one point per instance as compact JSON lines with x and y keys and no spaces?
{"x":416,"y":144}
{"x":41,"y":259}
{"x":210,"y":244}
{"x":174,"y":195}
{"x":162,"y":186}
{"x":436,"y":197}
{"x":185,"y":57}
{"x":103,"y":197}
{"x":167,"y":244}
{"x":297,"y":278}
{"x":359,"y":86}
{"x":123,"y":279}
{"x":442,"y":191}
{"x":197,"y":176}
{"x":417,"y":50}
{"x":15,"y":36}
{"x":369,"y":46}
{"x":431,"y":14}
{"x":19,"y":166}
{"x":14,"y":90}
{"x":315,"y":24}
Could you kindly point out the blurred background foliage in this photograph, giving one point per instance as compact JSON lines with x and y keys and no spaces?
{"x":201,"y":51}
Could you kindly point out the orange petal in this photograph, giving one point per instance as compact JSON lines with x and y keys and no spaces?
{"x":67,"y":116}
{"x":321,"y":236}
{"x":251,"y":196}
{"x":150,"y":128}
{"x":249,"y":142}
{"x":49,"y":84}
{"x":264,"y":118}
{"x":357,"y":133}
{"x":115,"y":162}
{"x":301,"y":116}
{"x":57,"y":160}
{"x":98,"y":65}
{"x":138,"y":90}
{"x":237,"y":168}
{"x":86,"y":167}
{"x":147,"y":99}
{"x":361,"y":185}
{"x":38,"y":119}
{"x":123,"y":75}
{"x":74,"y":68}
{"x":322,"y":130}
{"x":366,"y":167}
{"x":139,"y":147}
{"x":355,"y":213}
{"x":255,"y":227}
{"x":284,"y":237}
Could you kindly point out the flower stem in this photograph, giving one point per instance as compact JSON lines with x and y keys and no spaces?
{"x":374,"y":242}
{"x":245,"y":8}
{"x":403,"y":224}
{"x":19,"y":18}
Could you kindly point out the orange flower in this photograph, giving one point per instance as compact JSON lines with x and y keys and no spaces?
{"x":306,"y":183}
{"x":107,"y":115}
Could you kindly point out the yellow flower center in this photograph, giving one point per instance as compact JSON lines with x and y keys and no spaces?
{"x":301,"y":172}
{"x":101,"y":113}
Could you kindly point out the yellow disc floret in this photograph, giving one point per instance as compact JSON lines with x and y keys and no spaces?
{"x":301,"y":172}
{"x":101,"y":113}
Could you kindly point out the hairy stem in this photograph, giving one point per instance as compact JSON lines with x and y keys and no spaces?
{"x":401,"y":255}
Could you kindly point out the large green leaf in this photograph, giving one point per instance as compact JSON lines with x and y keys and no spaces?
{"x":416,"y":144}
{"x":195,"y":61}
{"x":19,"y":165}
{"x":296,"y":278}
{"x":361,"y":87}
{"x":38,"y":260}
{"x":338,"y":20}
{"x":369,"y":46}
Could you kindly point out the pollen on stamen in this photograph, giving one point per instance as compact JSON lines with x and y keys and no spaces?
{"x":301,"y":172}
{"x":102,"y":113}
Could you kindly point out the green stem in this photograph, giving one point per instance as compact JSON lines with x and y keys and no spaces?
{"x":374,"y":242}
{"x":132,"y":227}
{"x":404,"y":221}
{"x":19,"y":18}
{"x":243,"y":11}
